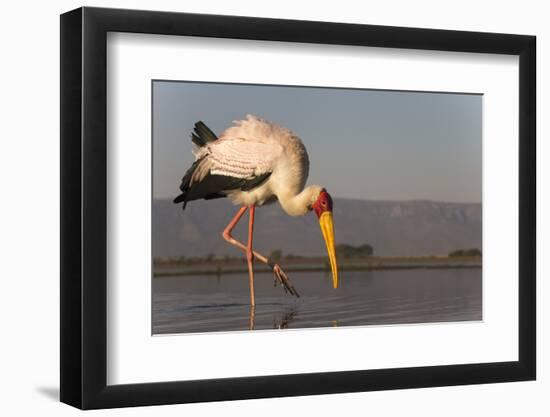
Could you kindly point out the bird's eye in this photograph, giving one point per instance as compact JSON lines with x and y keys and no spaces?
{"x":323,"y":202}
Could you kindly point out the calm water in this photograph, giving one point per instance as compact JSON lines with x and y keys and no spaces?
{"x":209,"y":303}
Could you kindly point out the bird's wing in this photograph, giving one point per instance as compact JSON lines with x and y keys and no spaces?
{"x":242,"y":158}
{"x":228,"y":164}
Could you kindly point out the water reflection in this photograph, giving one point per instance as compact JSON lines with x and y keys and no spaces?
{"x":279,"y":321}
{"x":251,"y":314}
{"x":284,"y":321}
{"x":221,"y":303}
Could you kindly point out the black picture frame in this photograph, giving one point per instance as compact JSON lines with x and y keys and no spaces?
{"x":84,"y":209}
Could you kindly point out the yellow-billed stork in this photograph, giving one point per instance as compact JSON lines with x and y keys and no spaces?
{"x":256,"y":162}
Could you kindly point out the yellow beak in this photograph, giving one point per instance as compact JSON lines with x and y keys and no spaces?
{"x":327,"y":228}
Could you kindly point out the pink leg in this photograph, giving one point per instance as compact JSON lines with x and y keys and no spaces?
{"x":250,"y":254}
{"x":277,"y":270}
{"x":227,"y":232}
{"x":248,"y":249}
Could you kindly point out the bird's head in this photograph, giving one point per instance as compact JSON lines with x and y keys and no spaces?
{"x":322,"y":207}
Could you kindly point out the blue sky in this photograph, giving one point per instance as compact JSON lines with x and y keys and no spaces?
{"x":364,"y":144}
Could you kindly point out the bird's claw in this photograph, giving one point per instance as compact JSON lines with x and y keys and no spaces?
{"x":283,"y":279}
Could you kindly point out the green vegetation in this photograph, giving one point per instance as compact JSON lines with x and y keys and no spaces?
{"x":465,"y":252}
{"x":311,"y":264}
{"x":349,"y":251}
{"x":276,"y":255}
{"x":350,"y":258}
{"x":291,"y":256}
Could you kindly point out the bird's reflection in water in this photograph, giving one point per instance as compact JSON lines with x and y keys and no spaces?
{"x":279,"y":321}
{"x":251,"y":317}
{"x":283,"y":321}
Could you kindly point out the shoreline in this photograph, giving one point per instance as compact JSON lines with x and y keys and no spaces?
{"x":372,"y":264}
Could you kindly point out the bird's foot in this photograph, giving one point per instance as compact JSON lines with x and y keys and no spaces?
{"x":283,"y":279}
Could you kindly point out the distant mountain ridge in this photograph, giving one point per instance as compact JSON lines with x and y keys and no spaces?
{"x":393,"y":228}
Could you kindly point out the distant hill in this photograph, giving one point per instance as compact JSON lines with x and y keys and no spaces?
{"x":393,"y":228}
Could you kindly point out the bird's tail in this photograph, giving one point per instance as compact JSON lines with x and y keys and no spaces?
{"x":186,"y":183}
{"x":202,"y":135}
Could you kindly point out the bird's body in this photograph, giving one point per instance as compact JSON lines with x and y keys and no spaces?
{"x":253,"y":150}
{"x":255,"y":162}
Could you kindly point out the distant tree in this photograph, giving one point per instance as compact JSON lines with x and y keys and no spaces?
{"x":210,"y":257}
{"x":465,"y":252}
{"x":366,"y":250}
{"x":349,"y":251}
{"x":276,"y":255}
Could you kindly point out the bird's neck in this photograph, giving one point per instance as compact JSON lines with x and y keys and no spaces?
{"x":299,"y":204}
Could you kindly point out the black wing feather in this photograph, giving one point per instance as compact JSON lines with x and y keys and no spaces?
{"x":211,"y":186}
{"x":197,"y":140}
{"x":255,"y":182}
{"x":215,"y":186}
{"x":202,"y":135}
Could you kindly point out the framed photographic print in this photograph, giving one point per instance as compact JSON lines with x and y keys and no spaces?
{"x":258,"y":207}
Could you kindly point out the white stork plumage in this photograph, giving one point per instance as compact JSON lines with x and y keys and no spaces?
{"x":256,"y":162}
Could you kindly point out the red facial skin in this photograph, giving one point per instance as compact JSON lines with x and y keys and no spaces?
{"x":323,"y":203}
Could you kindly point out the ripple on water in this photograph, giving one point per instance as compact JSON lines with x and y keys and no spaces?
{"x":206,"y":304}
